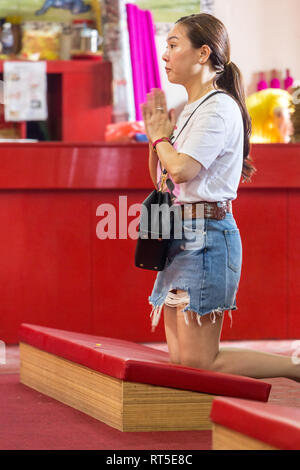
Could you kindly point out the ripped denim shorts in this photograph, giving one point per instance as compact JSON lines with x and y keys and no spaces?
{"x":206,"y":264}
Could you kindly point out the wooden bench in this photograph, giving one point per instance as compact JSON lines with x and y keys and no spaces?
{"x":249,"y":425}
{"x":126,"y":385}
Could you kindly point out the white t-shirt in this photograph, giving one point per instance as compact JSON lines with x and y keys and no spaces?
{"x":214,"y":137}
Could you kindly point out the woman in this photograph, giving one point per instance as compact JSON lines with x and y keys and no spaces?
{"x":205,"y":159}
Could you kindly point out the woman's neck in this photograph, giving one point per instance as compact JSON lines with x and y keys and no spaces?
{"x":192,"y":97}
{"x":196,"y":90}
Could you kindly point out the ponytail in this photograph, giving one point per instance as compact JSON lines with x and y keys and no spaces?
{"x":231,"y":80}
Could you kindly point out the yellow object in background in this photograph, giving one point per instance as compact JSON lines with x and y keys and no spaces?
{"x":41,"y":41}
{"x":14,"y":19}
{"x":270,"y":112}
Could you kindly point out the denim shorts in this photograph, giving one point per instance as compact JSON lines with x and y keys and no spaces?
{"x":205,"y":263}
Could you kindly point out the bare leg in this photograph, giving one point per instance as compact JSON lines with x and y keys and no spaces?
{"x":199,"y":347}
{"x":171,"y":333}
{"x":255,"y":364}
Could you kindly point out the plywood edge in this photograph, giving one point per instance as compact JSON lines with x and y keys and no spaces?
{"x":227,"y":439}
{"x":155,"y":408}
{"x":148,"y":393}
{"x":88,"y":391}
{"x":127,"y":406}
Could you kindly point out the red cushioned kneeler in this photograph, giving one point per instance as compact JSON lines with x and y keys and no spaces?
{"x":125,"y":362}
{"x":248,"y":425}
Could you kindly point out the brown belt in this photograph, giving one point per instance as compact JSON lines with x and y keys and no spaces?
{"x":208,"y":210}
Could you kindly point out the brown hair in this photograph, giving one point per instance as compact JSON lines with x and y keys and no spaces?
{"x":207,"y":29}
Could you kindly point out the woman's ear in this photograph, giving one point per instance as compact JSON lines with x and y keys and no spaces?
{"x":204,"y":54}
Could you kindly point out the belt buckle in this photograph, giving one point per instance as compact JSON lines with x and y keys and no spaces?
{"x":216,"y":210}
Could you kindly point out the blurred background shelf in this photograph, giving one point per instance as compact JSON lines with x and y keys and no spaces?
{"x":79,"y":100}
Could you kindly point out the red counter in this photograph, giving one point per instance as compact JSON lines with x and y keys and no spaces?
{"x":56,"y":272}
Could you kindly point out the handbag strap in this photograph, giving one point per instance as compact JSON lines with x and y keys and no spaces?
{"x":164,"y":171}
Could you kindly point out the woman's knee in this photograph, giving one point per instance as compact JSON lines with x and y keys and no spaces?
{"x":204,"y":363}
{"x":199,"y":344}
{"x":175,"y":359}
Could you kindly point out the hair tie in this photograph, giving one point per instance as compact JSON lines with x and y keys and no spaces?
{"x":219,"y":72}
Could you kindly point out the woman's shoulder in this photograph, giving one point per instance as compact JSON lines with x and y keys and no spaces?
{"x":220,"y":99}
{"x":222,"y":103}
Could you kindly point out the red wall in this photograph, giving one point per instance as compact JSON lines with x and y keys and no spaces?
{"x":56,"y":272}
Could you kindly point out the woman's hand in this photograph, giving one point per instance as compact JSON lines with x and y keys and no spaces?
{"x":158,"y":122}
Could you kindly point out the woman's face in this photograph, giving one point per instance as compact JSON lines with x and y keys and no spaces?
{"x":182,"y":60}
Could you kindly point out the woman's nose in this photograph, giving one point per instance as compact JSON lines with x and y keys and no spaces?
{"x":165,"y":56}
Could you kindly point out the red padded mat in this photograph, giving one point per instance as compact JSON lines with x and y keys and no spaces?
{"x":134,"y":362}
{"x":276,"y":425}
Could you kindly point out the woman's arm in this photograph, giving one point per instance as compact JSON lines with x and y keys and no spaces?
{"x":159,"y":123}
{"x":180,"y":166}
{"x":153,"y":160}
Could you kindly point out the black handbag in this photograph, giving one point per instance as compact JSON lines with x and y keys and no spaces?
{"x":156,"y":228}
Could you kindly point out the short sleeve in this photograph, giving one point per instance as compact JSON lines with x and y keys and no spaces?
{"x":205,"y":139}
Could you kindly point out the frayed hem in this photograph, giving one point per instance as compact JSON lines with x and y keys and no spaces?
{"x":155,"y":315}
{"x":170,"y":300}
{"x":212,"y":313}
{"x":157,"y":309}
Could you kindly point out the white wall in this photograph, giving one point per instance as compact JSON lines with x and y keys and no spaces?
{"x":264,"y":35}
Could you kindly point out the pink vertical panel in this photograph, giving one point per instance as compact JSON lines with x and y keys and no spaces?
{"x":134,"y":41}
{"x":145,"y":70}
{"x":142,"y":60}
{"x":147,"y":54}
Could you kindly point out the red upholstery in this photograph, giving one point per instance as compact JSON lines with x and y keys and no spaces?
{"x":134,"y":362}
{"x":278,"y":426}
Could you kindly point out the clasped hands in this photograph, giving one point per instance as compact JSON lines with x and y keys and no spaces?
{"x":158,"y":121}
